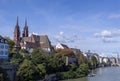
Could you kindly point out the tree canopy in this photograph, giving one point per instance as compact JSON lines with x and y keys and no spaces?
{"x":11,"y":44}
{"x":28,"y":71}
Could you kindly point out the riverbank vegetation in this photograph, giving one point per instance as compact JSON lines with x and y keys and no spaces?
{"x":78,"y":72}
{"x":36,"y":65}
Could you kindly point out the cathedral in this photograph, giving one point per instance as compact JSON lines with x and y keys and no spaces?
{"x":17,"y":36}
{"x":30,"y":42}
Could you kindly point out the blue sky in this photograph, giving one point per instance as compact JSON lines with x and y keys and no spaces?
{"x":84,"y":24}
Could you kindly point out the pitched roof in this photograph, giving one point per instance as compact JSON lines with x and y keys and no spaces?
{"x":44,"y":41}
{"x":36,"y":37}
{"x":25,"y":39}
{"x":37,"y":41}
{"x":3,"y":40}
{"x":1,"y":37}
{"x":65,"y":46}
{"x":32,"y":45}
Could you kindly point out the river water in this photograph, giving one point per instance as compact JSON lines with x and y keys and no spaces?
{"x":102,"y":74}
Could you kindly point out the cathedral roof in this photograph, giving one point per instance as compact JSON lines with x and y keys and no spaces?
{"x":37,"y":41}
{"x":3,"y":40}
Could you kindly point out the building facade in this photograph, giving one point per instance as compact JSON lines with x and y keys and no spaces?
{"x":4,"y":46}
{"x":36,"y":41}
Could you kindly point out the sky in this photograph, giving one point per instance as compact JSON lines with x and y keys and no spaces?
{"x":84,"y":24}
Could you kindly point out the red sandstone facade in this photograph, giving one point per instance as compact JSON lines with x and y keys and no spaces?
{"x":30,"y":42}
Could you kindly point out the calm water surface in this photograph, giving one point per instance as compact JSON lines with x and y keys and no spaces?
{"x":102,"y":74}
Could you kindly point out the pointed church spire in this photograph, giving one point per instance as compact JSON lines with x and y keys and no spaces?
{"x":17,"y":21}
{"x":25,"y":30}
{"x":17,"y":35}
{"x":25,"y":22}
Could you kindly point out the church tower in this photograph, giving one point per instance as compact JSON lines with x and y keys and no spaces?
{"x":17,"y":36}
{"x":25,"y":30}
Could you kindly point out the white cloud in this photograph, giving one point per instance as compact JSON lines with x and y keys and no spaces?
{"x":66,"y":38}
{"x":104,"y":33}
{"x":108,"y":35}
{"x":108,"y":40}
{"x":61,"y":33}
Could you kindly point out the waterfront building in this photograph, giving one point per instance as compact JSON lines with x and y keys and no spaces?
{"x":90,"y":54}
{"x":113,"y":60}
{"x":4,"y":46}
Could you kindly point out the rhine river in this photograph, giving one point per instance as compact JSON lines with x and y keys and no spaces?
{"x":102,"y":74}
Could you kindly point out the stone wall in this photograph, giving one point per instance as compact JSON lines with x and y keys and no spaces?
{"x":11,"y":71}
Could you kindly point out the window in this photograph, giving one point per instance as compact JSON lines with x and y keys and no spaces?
{"x":2,"y":46}
{"x":6,"y":53}
{"x":6,"y":47}
{"x":2,"y":40}
{"x":1,"y":52}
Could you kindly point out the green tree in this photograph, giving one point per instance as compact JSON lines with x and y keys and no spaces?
{"x":3,"y":75}
{"x":42,"y":70}
{"x":55,"y":63}
{"x":60,"y":60}
{"x":28,"y":71}
{"x":94,"y":62}
{"x":81,"y":58}
{"x":83,"y":69}
{"x":11,"y":44}
{"x":25,"y":53}
{"x":17,"y":58}
{"x":39,"y":56}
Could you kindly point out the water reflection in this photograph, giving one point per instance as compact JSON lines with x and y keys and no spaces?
{"x":102,"y":74}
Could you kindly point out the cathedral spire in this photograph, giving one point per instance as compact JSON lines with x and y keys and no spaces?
{"x":17,"y":22}
{"x":25,"y":30}
{"x":17,"y":35}
{"x":25,"y":22}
